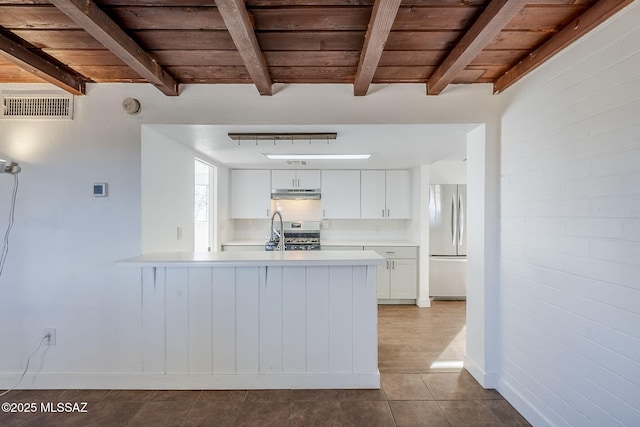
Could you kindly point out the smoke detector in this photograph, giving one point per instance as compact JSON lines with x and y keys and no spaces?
{"x":131,"y":106}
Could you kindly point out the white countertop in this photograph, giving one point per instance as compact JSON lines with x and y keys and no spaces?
{"x":245,"y":243}
{"x":253,"y":259}
{"x":328,"y":242}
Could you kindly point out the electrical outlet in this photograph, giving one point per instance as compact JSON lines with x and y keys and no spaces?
{"x":52,"y":336}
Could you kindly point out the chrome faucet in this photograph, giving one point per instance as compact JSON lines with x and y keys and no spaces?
{"x":280,"y":233}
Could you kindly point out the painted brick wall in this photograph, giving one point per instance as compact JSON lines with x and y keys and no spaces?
{"x":570,"y":227}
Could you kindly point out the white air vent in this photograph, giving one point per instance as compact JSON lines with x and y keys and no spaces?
{"x":37,"y":107}
{"x":297,"y":162}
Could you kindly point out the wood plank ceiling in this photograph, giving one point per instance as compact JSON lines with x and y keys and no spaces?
{"x":261,"y":42}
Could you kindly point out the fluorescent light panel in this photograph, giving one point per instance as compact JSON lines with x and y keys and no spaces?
{"x":318,"y":156}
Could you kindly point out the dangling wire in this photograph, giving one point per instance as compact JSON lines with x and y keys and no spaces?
{"x":12,"y":214}
{"x":26,"y":368}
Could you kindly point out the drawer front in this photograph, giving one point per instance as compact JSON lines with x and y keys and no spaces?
{"x":394,"y":251}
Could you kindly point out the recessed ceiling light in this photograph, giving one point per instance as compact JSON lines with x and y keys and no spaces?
{"x":318,"y":156}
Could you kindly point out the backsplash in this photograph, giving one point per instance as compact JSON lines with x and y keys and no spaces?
{"x":344,"y":229}
{"x":366,"y":229}
{"x":298,"y":210}
{"x":251,"y":229}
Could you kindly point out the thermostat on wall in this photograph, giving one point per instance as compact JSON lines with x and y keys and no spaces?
{"x":100,"y":189}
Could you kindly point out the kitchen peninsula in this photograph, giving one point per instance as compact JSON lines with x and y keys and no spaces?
{"x":239,"y":320}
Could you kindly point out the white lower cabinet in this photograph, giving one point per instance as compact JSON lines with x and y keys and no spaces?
{"x":397,"y":279}
{"x":402,"y":283}
{"x":383,"y":281}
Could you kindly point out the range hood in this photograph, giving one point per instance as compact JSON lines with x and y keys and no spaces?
{"x":295,"y":194}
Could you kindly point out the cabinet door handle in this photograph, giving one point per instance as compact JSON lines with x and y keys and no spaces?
{"x":388,"y":265}
{"x":382,"y":213}
{"x":393,"y":265}
{"x":293,"y":182}
{"x":388,"y":213}
{"x":298,"y":182}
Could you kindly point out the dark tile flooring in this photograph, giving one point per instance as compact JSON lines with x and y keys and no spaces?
{"x":424,"y":397}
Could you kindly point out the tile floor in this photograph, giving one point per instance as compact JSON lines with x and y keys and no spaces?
{"x":415,"y":390}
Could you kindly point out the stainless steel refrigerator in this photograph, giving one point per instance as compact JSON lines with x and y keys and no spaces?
{"x":448,"y":241}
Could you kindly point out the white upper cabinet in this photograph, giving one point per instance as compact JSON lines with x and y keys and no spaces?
{"x":303,"y":179}
{"x":398,"y":194}
{"x":372,"y":194}
{"x":340,"y":194}
{"x":283,"y":178}
{"x":250,"y":193}
{"x":345,"y":194}
{"x":385,"y":194}
{"x":308,"y":179}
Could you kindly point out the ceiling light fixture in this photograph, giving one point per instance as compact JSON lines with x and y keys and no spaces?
{"x":290,"y":136}
{"x":318,"y":156}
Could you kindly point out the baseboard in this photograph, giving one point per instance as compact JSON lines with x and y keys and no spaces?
{"x":449,"y":298}
{"x":532,"y":414}
{"x":424,"y":302}
{"x":193,"y":382}
{"x":510,"y":393}
{"x":397,"y":301}
{"x":486,"y":379}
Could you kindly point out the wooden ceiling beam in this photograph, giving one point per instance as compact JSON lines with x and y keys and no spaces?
{"x":236,"y":18}
{"x":94,"y":21}
{"x":492,"y":20}
{"x":586,"y":22}
{"x":382,"y":18}
{"x":41,"y":66}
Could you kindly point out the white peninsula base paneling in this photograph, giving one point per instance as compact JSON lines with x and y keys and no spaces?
{"x":260,"y":327}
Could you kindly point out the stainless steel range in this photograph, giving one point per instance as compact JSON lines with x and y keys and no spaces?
{"x":299,"y":236}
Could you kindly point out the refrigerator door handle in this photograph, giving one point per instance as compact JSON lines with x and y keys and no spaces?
{"x":454,"y":221}
{"x":460,"y":219}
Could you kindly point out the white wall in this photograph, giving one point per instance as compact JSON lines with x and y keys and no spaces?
{"x":449,"y":172}
{"x":168,"y":181}
{"x":419,"y":230}
{"x":570,"y":234}
{"x":60,"y":271}
{"x":482,"y":358}
{"x":167,"y":195}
